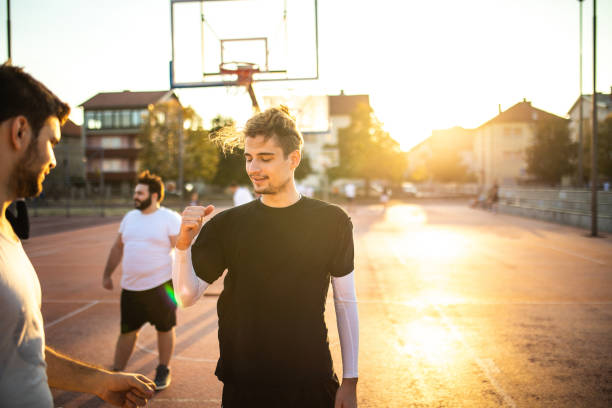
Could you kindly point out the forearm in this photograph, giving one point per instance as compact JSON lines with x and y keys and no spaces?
{"x":188,"y":288}
{"x":113,"y":260}
{"x":71,"y":375}
{"x":347,"y":319}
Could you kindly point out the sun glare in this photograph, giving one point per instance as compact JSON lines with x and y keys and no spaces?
{"x":427,"y":338}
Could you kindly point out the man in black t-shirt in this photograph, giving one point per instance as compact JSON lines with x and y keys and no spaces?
{"x":280,"y":252}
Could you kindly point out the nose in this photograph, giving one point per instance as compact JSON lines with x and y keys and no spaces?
{"x":252,"y":168}
{"x":52,"y":161}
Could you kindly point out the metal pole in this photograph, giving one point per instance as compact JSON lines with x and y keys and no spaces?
{"x":102,"y":192}
{"x":180,"y":152}
{"x":594,"y":181}
{"x":8,"y":28}
{"x":581,"y":118}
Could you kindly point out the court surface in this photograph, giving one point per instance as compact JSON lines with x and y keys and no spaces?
{"x":458,"y":308}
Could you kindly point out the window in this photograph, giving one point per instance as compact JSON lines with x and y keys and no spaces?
{"x":115,"y":165}
{"x":107,"y":119}
{"x":125,"y":118}
{"x":136,"y":119}
{"x":112,"y":142}
{"x":116,"y":119}
{"x":92,"y":120}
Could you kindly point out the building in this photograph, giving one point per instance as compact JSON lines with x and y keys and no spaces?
{"x":604,"y":108}
{"x":69,"y":171}
{"x":319,"y":118}
{"x":500,"y":144}
{"x":112,"y":123}
{"x":445,"y":144}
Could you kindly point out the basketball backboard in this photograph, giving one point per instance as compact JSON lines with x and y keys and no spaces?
{"x":280,"y":37}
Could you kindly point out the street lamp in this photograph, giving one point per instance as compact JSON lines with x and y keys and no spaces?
{"x":581,"y":120}
{"x":99,"y":151}
{"x":594,"y":181}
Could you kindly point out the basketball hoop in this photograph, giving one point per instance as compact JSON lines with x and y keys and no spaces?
{"x":243,"y":70}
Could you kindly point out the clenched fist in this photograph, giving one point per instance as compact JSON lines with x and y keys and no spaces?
{"x":192,"y":220}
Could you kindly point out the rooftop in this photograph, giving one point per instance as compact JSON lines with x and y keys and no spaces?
{"x":127,"y":99}
{"x":522,"y":112}
{"x":346,"y":104}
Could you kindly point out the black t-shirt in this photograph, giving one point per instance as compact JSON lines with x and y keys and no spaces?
{"x":271,"y":311}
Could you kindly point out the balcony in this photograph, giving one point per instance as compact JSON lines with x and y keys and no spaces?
{"x":115,"y":153}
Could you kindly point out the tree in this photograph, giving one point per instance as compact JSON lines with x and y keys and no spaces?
{"x":604,"y":150}
{"x":231,"y":167}
{"x":304,"y":169}
{"x":159,"y":142}
{"x":367,"y":151}
{"x":551,"y":156}
{"x":445,"y":165}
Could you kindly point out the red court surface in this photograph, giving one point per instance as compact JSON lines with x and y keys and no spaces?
{"x":82,"y":320}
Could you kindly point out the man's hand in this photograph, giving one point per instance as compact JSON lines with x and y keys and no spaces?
{"x":192,"y":220}
{"x":107,"y":282}
{"x":126,"y":390}
{"x":346,"y":396}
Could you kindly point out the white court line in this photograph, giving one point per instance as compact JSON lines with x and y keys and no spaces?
{"x":177,"y":357}
{"x":563,"y":251}
{"x":78,"y":301}
{"x":487,"y":367}
{"x":36,"y":254}
{"x":69,"y":315}
{"x":484,"y":303}
{"x":99,"y":301}
{"x":183,"y":400}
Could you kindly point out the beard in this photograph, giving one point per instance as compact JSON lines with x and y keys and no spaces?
{"x":270,"y":189}
{"x":27,"y":178}
{"x":142,"y":205}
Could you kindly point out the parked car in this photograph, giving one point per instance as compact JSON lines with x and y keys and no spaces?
{"x":409,"y":189}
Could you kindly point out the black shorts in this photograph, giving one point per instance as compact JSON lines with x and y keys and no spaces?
{"x":154,"y":305}
{"x":321,"y":395}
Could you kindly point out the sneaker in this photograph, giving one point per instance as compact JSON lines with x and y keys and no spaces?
{"x":162,"y":377}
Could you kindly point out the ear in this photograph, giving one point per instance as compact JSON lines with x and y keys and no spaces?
{"x":20,"y":133}
{"x":295,"y":157}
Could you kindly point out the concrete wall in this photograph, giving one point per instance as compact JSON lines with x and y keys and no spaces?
{"x":570,"y":207}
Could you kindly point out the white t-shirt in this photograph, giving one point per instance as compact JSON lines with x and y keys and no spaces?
{"x":147,"y":251}
{"x":349,"y":190}
{"x":23,"y":371}
{"x":242,"y":196}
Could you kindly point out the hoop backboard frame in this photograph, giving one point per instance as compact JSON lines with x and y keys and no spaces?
{"x":264,"y":75}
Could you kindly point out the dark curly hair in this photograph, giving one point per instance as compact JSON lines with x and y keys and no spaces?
{"x":21,"y":94}
{"x":155,"y":183}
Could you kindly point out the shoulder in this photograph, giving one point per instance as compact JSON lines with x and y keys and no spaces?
{"x":323,"y":208}
{"x":234,"y":213}
{"x":131,"y":214}
{"x":169,"y":217}
{"x":167,"y":212}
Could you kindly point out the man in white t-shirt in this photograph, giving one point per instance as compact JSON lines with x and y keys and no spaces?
{"x":146,"y":240}
{"x":242,"y":195}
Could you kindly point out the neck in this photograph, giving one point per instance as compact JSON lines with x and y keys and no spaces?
{"x":151,"y":209}
{"x":284,"y":198}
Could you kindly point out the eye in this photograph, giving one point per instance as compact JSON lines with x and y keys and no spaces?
{"x":249,"y":160}
{"x":265,"y":160}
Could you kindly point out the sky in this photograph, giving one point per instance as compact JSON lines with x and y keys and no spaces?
{"x":426,"y":65}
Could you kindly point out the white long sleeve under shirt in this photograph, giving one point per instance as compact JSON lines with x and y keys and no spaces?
{"x":189,"y":288}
